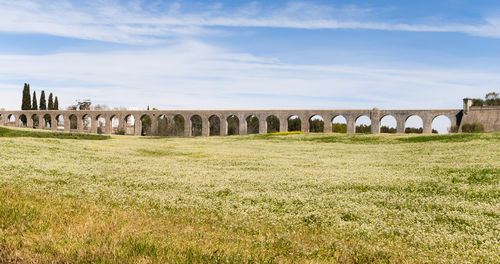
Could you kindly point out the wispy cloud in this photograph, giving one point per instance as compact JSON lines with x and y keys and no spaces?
{"x":141,"y":23}
{"x":195,"y":75}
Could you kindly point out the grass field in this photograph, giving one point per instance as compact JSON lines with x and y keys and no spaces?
{"x":311,"y":198}
{"x":15,"y":132}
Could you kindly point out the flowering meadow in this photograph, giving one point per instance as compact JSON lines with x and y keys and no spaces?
{"x":296,"y":198}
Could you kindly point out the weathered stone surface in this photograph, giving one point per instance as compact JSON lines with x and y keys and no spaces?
{"x":490,"y":117}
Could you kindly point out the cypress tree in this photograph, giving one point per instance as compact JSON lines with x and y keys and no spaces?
{"x":51,"y":102}
{"x":26,"y":104}
{"x":56,"y":104}
{"x":24,"y":97}
{"x":43,"y":103}
{"x":34,"y":106}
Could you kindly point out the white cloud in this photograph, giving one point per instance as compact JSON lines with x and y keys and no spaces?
{"x":139,"y":23}
{"x":192,"y":75}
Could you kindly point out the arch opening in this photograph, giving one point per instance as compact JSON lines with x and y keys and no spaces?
{"x":101,"y":124}
{"x":178,"y":126}
{"x":273,"y":124}
{"x":162,"y":126}
{"x":339,"y":124}
{"x":316,"y":124}
{"x":363,"y":125}
{"x":233,"y":125}
{"x":129,"y":125}
{"x":73,"y":122}
{"x":47,"y":119}
{"x":294,"y":123}
{"x":24,"y":120}
{"x":388,"y":124}
{"x":115,"y":123}
{"x":252,"y":124}
{"x":87,"y":123}
{"x":196,"y":126}
{"x":414,"y":125}
{"x":60,"y":122}
{"x":441,"y":124}
{"x":11,"y":119}
{"x":146,"y":125}
{"x":214,"y":122}
{"x":36,"y":121}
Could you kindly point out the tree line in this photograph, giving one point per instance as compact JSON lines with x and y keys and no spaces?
{"x":30,"y":102}
{"x":491,"y":99}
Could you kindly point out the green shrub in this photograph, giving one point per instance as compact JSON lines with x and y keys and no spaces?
{"x":99,"y":130}
{"x":316,"y":126}
{"x":294,"y":124}
{"x":477,"y":102}
{"x":466,"y":128}
{"x":492,"y":99}
{"x":386,"y":129}
{"x":414,"y":130}
{"x":364,"y":129}
{"x":339,"y":128}
{"x":493,"y":102}
{"x":120,"y":131}
{"x":474,"y":127}
{"x":453,"y":129}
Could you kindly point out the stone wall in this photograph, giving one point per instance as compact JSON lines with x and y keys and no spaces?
{"x":488,"y":116}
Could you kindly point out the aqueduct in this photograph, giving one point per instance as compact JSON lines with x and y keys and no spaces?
{"x":205,"y":123}
{"x":234,"y":122}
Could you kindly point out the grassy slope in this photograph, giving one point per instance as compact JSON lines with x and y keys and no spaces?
{"x":18,"y":132}
{"x":295,"y":198}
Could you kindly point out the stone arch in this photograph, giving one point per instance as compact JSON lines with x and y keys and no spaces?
{"x":252,"y":124}
{"x":178,"y":126}
{"x":196,"y":126}
{"x":101,"y":124}
{"x":129,"y":121}
{"x":35,"y":121}
{"x":73,"y":122}
{"x":47,"y":119}
{"x":294,"y":123}
{"x":316,"y":124}
{"x":388,"y":124}
{"x":23,"y":120}
{"x":273,"y":124}
{"x":115,"y":124}
{"x":441,"y":124}
{"x":86,"y":123}
{"x":146,"y":125}
{"x":339,"y":124}
{"x":233,"y":125}
{"x":162,"y":126}
{"x":363,"y":124}
{"x":59,"y":122}
{"x":414,"y":124}
{"x":214,"y":124}
{"x":11,"y":120}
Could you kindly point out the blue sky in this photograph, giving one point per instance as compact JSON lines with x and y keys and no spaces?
{"x":251,"y":54}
